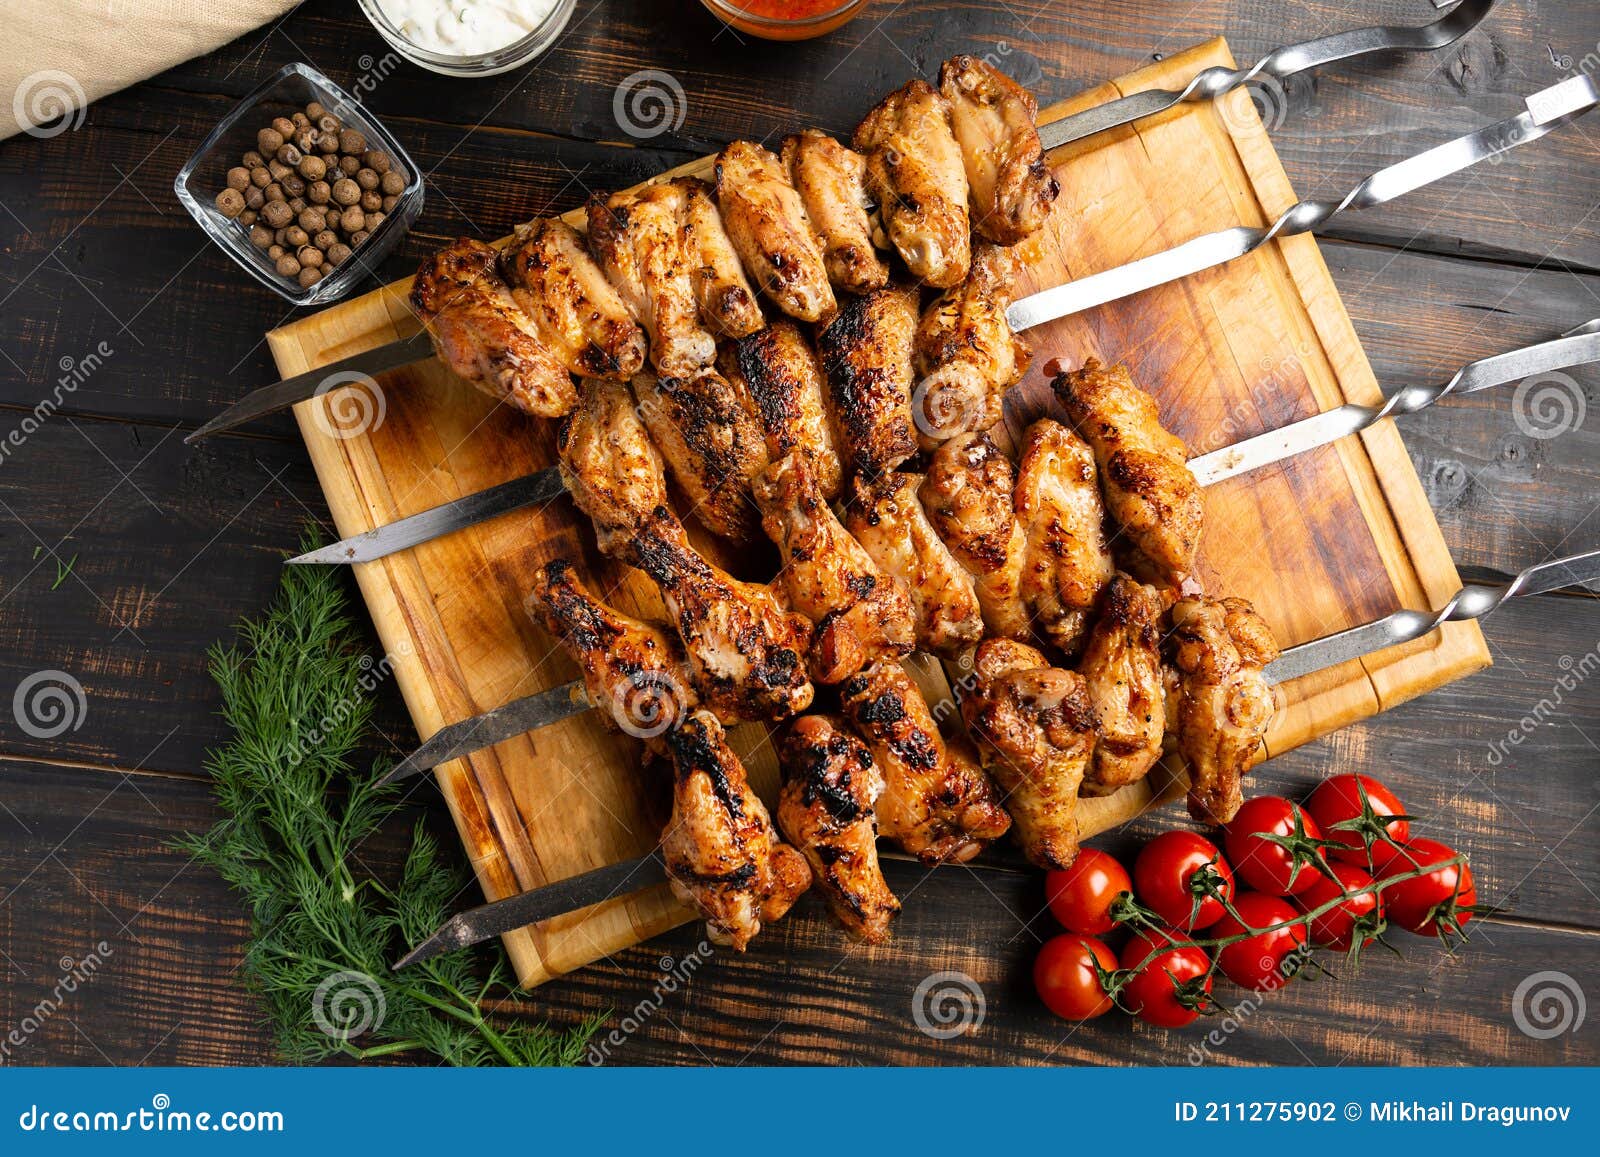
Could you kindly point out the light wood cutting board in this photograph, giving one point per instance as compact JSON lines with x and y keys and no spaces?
{"x":1331,"y":539}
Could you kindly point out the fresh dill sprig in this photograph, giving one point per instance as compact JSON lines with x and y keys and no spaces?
{"x":324,"y":929}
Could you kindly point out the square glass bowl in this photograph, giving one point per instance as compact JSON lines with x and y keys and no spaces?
{"x":205,"y":174}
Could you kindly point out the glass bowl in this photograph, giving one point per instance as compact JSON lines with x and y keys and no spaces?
{"x":205,"y":173}
{"x":516,"y":53}
{"x":784,"y":27}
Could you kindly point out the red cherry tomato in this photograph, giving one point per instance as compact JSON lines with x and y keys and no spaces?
{"x":1261,"y":963}
{"x":1336,"y":928}
{"x":1430,"y":903}
{"x":1080,"y":897}
{"x":1264,"y":862}
{"x":1338,"y":807}
{"x":1065,"y":976}
{"x":1174,"y":987}
{"x":1165,"y":878}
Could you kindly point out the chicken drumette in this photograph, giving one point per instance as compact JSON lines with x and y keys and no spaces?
{"x":1223,"y":702}
{"x":767,"y":222}
{"x":1036,"y":730}
{"x":727,"y":301}
{"x":866,"y":353}
{"x":482,"y":335}
{"x":969,"y":495}
{"x":993,"y":117}
{"x":608,"y":462}
{"x":1122,"y":664}
{"x":831,"y":181}
{"x":722,"y":854}
{"x":830,"y":784}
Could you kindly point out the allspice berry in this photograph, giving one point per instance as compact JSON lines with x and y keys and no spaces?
{"x":277,"y":214}
{"x":375,"y":160}
{"x":254,"y":198}
{"x":260,"y":236}
{"x":306,"y":140}
{"x":274,"y":192}
{"x":367,"y":179}
{"x":239,"y":178}
{"x":309,"y":277}
{"x":315,"y":111}
{"x":373,"y":221}
{"x":389,"y":203}
{"x":371,"y":202}
{"x":269,"y":141}
{"x":230,"y":202}
{"x":349,"y":166}
{"x":325,"y":240}
{"x":319,"y":192}
{"x":297,"y":205}
{"x":283,"y":126}
{"x":338,"y":254}
{"x":252,"y":160}
{"x":352,"y":143}
{"x":288,"y":266}
{"x":294,"y":236}
{"x":392,"y":183}
{"x":353,"y":220}
{"x":274,"y":251}
{"x":289,"y":155}
{"x":329,"y":125}
{"x":312,"y":168}
{"x":311,"y":219}
{"x":294,"y":185}
{"x":260,"y":177}
{"x":309,"y":255}
{"x":346,"y":191}
{"x":359,"y":236}
{"x":248,"y":217}
{"x":328,"y":144}
{"x":301,"y":121}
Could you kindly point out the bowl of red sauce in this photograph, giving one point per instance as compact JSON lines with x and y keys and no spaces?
{"x":785,"y":19}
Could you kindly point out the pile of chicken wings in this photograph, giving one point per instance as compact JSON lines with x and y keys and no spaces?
{"x":814,"y":348}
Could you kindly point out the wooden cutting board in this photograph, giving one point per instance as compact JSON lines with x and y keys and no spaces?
{"x":1331,"y":539}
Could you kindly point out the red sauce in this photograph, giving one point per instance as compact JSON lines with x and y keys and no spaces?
{"x":787,"y":9}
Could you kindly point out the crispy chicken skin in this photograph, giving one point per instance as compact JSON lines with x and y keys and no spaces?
{"x":936,"y":804}
{"x":766,"y":220}
{"x":727,"y":302}
{"x":1122,"y":665}
{"x":967,"y":356}
{"x":1036,"y":730}
{"x":831,"y":181}
{"x":721,"y":852}
{"x":637,"y":239}
{"x":1067,"y":562}
{"x":888,"y":521}
{"x":608,"y":462}
{"x":483,"y":336}
{"x":746,"y":653}
{"x":634,"y":671}
{"x":1149,"y":490}
{"x":1223,"y":702}
{"x":580,"y":318}
{"x":830,"y":784}
{"x":779,"y":374}
{"x":969,"y":496}
{"x":712,"y":443}
{"x":993,"y":118}
{"x":916,"y":175}
{"x":861,"y":614}
{"x":866,"y":354}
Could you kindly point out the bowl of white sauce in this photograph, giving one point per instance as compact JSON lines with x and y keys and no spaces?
{"x":469,"y":37}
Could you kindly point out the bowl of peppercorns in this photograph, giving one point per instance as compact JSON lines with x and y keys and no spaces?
{"x":302,"y":187}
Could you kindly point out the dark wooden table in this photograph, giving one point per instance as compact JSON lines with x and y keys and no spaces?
{"x":124,"y":554}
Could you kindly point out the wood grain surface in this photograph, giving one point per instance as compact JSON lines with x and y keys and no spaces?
{"x":178,"y":543}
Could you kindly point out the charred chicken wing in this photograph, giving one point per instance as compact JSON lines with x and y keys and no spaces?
{"x":831,"y":181}
{"x":969,"y":496}
{"x":1122,"y":664}
{"x":767,"y":222}
{"x":778,"y":372}
{"x":993,"y":117}
{"x":866,"y":353}
{"x":727,"y":303}
{"x":608,"y":462}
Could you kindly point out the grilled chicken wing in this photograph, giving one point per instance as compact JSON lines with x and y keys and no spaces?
{"x":1223,"y":702}
{"x":637,"y":238}
{"x":860,"y":613}
{"x":727,"y":303}
{"x":481,"y":334}
{"x":866,"y":354}
{"x":916,"y":175}
{"x":969,"y":497}
{"x":608,"y":462}
{"x":1067,"y":563}
{"x":722,"y":855}
{"x":745,"y":652}
{"x":579,"y":317}
{"x":632,"y":670}
{"x":887,"y":519}
{"x":993,"y":118}
{"x":967,"y":356}
{"x":936,"y":805}
{"x":778,"y":372}
{"x":830,"y":784}
{"x":831,"y":181}
{"x":1149,"y":489}
{"x":767,"y":222}
{"x":713,"y":444}
{"x":1036,"y":729}
{"x":1122,"y":665}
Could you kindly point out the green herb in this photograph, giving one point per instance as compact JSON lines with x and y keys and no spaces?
{"x":323,"y":929}
{"x":63,"y":570}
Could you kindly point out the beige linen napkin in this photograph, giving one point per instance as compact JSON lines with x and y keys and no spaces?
{"x":58,"y":55}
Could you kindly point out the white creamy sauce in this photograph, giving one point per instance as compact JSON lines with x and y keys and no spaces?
{"x":465,"y":27}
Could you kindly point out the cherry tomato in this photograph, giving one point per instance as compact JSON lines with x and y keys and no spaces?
{"x":1336,"y":928}
{"x":1066,"y":979}
{"x":1261,"y":963}
{"x":1174,"y":987}
{"x":1432,"y":902}
{"x":1168,"y":874}
{"x":1081,"y":895}
{"x":1351,"y":810}
{"x":1269,"y":845}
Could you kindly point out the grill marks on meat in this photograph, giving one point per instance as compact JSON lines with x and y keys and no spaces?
{"x":722,"y":855}
{"x":579,"y":317}
{"x":1012,"y":187}
{"x":1036,"y":730}
{"x":1122,"y":665}
{"x":777,"y":371}
{"x":861,"y":614}
{"x":609,"y":463}
{"x":727,"y":302}
{"x":866,"y":353}
{"x":482,"y":335}
{"x":968,"y":495}
{"x":767,"y":223}
{"x":936,"y":804}
{"x":830,"y":784}
{"x":831,"y":181}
